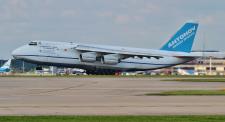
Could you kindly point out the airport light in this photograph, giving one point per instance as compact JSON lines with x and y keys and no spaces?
{"x":210,"y":65}
{"x":23,"y":67}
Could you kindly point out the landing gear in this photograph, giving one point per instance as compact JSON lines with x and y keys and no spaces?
{"x":100,"y":72}
{"x":39,"y":68}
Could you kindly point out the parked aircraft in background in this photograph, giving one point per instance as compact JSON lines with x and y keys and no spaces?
{"x":100,"y":59}
{"x":78,"y":71}
{"x":6,"y":67}
{"x":185,"y":72}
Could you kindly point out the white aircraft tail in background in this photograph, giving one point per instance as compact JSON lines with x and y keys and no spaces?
{"x":6,"y":67}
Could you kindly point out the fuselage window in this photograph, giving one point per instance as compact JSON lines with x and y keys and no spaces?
{"x":33,"y":43}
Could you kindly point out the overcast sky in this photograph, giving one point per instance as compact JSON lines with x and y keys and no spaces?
{"x":133,"y":23}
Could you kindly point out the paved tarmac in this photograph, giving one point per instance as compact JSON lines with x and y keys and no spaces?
{"x":104,"y":96}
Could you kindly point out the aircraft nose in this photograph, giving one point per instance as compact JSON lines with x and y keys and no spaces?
{"x":17,"y":53}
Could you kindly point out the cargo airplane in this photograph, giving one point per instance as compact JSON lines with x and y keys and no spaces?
{"x":100,"y":59}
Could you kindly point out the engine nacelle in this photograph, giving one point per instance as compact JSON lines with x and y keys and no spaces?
{"x":110,"y":59}
{"x":88,"y":57}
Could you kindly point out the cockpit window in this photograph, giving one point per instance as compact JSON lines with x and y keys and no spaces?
{"x":33,"y":43}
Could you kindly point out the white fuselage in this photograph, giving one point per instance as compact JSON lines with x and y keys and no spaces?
{"x":64,"y":54}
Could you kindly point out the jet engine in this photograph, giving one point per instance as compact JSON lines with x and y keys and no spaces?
{"x":110,"y":59}
{"x":88,"y":57}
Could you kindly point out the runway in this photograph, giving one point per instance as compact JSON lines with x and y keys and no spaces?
{"x":104,"y":96}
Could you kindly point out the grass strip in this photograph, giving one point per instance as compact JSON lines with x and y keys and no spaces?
{"x":188,"y":93}
{"x":197,"y":80}
{"x":170,"y":118}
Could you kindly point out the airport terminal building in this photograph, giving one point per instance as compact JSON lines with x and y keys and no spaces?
{"x":203,"y":66}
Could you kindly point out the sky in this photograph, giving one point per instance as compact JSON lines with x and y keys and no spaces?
{"x":132,"y":23}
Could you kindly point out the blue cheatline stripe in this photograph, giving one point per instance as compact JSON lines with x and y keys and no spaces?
{"x":78,"y":58}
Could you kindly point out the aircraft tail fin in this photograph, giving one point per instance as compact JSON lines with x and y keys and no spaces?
{"x":183,"y":40}
{"x":7,"y":64}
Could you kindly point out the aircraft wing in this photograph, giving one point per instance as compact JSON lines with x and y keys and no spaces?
{"x":125,"y":53}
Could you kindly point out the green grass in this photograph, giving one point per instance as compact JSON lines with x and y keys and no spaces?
{"x":207,"y":79}
{"x":189,"y":92}
{"x":174,"y":118}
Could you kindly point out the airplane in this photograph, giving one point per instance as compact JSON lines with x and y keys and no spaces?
{"x":102,"y":59}
{"x":185,"y":71}
{"x":6,"y":67}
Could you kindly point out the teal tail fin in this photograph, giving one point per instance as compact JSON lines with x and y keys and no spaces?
{"x":183,"y":40}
